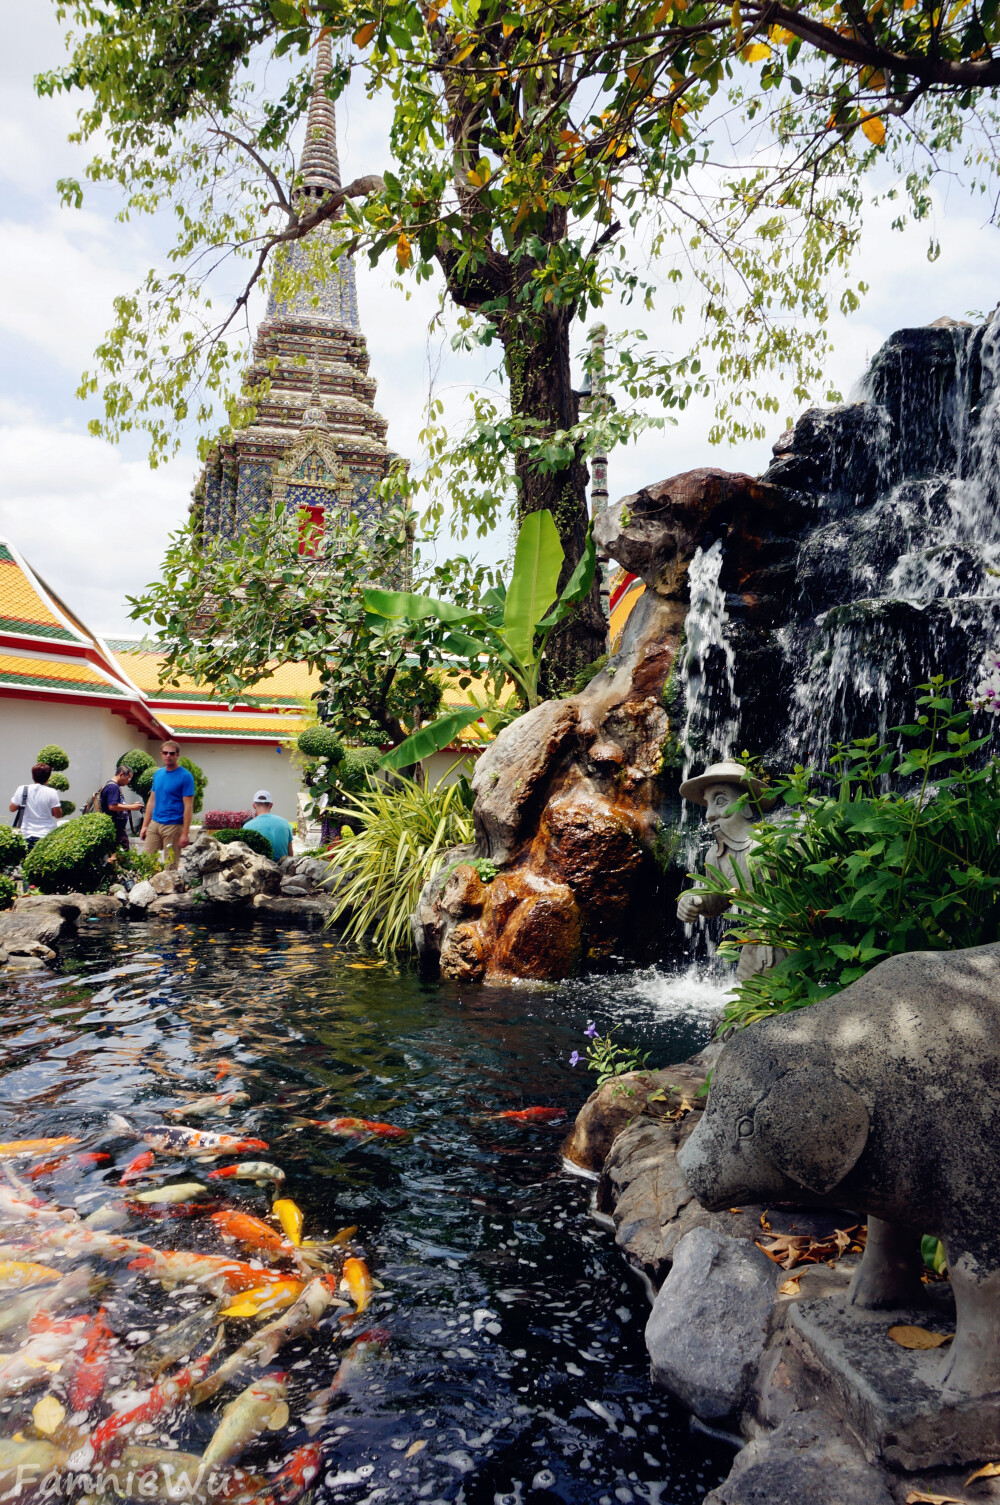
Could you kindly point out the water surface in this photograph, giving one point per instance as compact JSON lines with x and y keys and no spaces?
{"x":513,"y":1332}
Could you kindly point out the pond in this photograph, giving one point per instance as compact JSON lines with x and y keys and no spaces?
{"x":509,"y":1366}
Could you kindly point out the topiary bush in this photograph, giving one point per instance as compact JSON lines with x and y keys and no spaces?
{"x":67,"y":806}
{"x":200,"y":780}
{"x":58,"y":781}
{"x":8,"y":892}
{"x":225,"y":820}
{"x":13,"y":848}
{"x":357,"y":764}
{"x":143,"y":783}
{"x":54,"y":756}
{"x":135,"y":759}
{"x":321,"y":742}
{"x":255,"y":840}
{"x":71,"y":859}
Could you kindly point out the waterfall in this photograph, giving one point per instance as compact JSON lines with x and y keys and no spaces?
{"x":711,"y":704}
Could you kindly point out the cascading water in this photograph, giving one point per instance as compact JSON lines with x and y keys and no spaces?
{"x":893,"y":574}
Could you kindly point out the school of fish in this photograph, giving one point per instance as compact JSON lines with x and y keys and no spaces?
{"x":93,"y":1390}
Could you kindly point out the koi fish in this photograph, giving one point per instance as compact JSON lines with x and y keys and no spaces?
{"x":250,"y":1231}
{"x":367,"y":1347}
{"x":178,"y":1342}
{"x":353,"y":1128}
{"x":174,"y":1210}
{"x":264,"y":1300}
{"x":180,"y":1191}
{"x":174,"y":1139}
{"x":164,"y":1396}
{"x":260,"y":1405}
{"x":357,"y":1281}
{"x":290,"y":1218}
{"x":215,"y":1102}
{"x":17,"y":1208}
{"x":251,"y":1170}
{"x":92,"y":1371}
{"x":19,"y":1310}
{"x":23,"y":1462}
{"x":531,"y":1115}
{"x":215,"y":1272}
{"x":262,"y":1347}
{"x":42,"y":1355}
{"x":16,"y":1273}
{"x":291,"y":1482}
{"x":49,"y":1167}
{"x":16,"y":1149}
{"x":137,"y":1167}
{"x":162,"y":1474}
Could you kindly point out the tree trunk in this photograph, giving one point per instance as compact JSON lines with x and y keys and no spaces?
{"x":541,"y":391}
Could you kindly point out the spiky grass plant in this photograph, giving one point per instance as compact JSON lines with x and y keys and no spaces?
{"x":404,"y":830}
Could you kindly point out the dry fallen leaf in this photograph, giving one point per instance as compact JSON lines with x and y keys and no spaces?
{"x":764,"y":1223}
{"x":918,"y":1337}
{"x":988,"y":1471}
{"x":919,"y":1497}
{"x":789,"y":1287}
{"x":736,"y":1209}
{"x":48,"y":1415}
{"x":415,"y":1447}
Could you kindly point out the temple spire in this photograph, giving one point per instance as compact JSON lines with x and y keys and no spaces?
{"x":319,"y":167}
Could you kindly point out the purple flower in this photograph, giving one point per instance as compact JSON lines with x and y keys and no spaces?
{"x":574,"y":1058}
{"x":591,"y":1030}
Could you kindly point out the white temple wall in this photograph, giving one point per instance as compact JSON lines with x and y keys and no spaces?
{"x":236,"y":770}
{"x":92,"y":737}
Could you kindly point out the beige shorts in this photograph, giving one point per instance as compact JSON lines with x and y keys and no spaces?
{"x":164,"y":838}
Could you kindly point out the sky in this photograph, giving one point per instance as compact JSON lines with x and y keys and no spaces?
{"x":94,"y":519}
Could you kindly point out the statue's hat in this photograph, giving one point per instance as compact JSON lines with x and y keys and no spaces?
{"x":726,"y":773}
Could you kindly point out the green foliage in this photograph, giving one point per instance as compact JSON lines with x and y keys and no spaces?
{"x":863,"y":874}
{"x":73,"y":857}
{"x":933,"y":1255}
{"x":505,"y":638}
{"x":143,"y":782}
{"x":611,"y":1059}
{"x":321,"y":742}
{"x":402,"y":833}
{"x":585,"y":675}
{"x":54,"y":756}
{"x":67,"y":806}
{"x":13,"y":848}
{"x":141,"y":864}
{"x":137,"y":760}
{"x":255,"y":840}
{"x":59,"y":781}
{"x":200,"y":780}
{"x":666,"y":845}
{"x":8,"y":892}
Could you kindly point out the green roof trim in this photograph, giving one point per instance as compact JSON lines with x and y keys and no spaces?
{"x":6,"y":557}
{"x":198,"y":697}
{"x":36,"y":629}
{"x":47,"y":682}
{"x":180,"y":730}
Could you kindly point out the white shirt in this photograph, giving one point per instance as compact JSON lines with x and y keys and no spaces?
{"x":42,"y":800}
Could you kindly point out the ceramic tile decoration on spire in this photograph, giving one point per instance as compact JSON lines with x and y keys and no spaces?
{"x":316,"y":440}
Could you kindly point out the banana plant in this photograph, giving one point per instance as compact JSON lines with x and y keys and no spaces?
{"x":506,"y":634}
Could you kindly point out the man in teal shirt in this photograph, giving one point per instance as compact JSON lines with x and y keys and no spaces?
{"x":278,"y":832}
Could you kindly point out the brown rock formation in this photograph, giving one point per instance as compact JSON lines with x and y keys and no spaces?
{"x":571,"y":798}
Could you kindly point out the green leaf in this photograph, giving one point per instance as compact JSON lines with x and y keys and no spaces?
{"x":534,"y":583}
{"x":414,"y":608}
{"x":430,"y":739}
{"x":578,"y":585}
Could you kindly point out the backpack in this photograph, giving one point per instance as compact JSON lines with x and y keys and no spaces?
{"x":96,"y":802}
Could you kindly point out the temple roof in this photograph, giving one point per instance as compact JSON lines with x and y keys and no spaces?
{"x":319,"y":168}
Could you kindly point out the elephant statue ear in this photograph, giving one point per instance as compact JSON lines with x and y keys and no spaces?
{"x":812,"y":1126}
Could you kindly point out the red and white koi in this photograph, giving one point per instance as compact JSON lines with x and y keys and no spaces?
{"x":258,"y":1171}
{"x":92,"y":1372}
{"x":42,"y":1355}
{"x":174,"y":1139}
{"x":163,"y":1397}
{"x":353,"y":1128}
{"x":295,"y":1478}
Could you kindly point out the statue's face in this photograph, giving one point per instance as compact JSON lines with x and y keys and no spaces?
{"x":733,"y":828}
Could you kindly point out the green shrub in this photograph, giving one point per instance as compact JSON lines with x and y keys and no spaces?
{"x":321,"y":742}
{"x":8,"y":892}
{"x":403,"y":832}
{"x":143,"y":782}
{"x":200,"y":780}
{"x":58,"y":781}
{"x":255,"y":840}
{"x":865,"y":874}
{"x":71,"y":859}
{"x":142,"y":864}
{"x":136,"y":759}
{"x":13,"y":848}
{"x":67,"y":807}
{"x":54,"y":757}
{"x":358,"y":763}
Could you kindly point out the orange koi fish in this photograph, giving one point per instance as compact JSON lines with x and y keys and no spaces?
{"x":92,"y":1372}
{"x":251,"y":1170}
{"x":14,"y":1149}
{"x":358,"y":1282}
{"x":295,"y":1478}
{"x":215,"y":1272}
{"x":137,"y":1167}
{"x":353,"y":1128}
{"x":531,"y":1115}
{"x":49,"y":1167}
{"x":250,"y":1231}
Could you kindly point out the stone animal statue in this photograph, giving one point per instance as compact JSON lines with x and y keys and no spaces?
{"x":719,"y":787}
{"x":884,"y":1099}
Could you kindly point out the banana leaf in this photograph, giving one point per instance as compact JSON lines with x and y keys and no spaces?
{"x":406,"y":604}
{"x":578,"y":585}
{"x":431,"y":739}
{"x":534,"y":583}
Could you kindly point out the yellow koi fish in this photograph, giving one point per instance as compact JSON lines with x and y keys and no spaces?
{"x":14,"y":1273}
{"x":261,"y":1301}
{"x":15,"y":1149}
{"x":290,"y":1218}
{"x":358,"y":1283}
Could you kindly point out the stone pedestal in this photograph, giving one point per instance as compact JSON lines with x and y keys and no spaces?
{"x":891,"y":1396}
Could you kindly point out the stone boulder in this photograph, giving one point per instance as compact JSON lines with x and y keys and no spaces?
{"x":711,"y":1322}
{"x":142,"y":895}
{"x":809,"y":1458}
{"x":37,"y":919}
{"x":611,"y":1108}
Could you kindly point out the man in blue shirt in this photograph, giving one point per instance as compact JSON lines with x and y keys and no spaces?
{"x":167,"y":822}
{"x":278,"y":832}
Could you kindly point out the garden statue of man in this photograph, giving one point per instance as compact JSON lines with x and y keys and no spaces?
{"x":717,"y":788}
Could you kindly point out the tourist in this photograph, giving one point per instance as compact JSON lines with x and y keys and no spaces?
{"x":166,"y":824}
{"x":114,"y":805}
{"x":277,"y":830}
{"x":41,"y":805}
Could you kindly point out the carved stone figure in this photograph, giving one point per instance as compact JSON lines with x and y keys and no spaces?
{"x":717,"y":788}
{"x":883,"y":1099}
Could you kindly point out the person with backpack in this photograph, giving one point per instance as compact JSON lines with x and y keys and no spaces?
{"x":110,"y":802}
{"x":36,"y":807}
